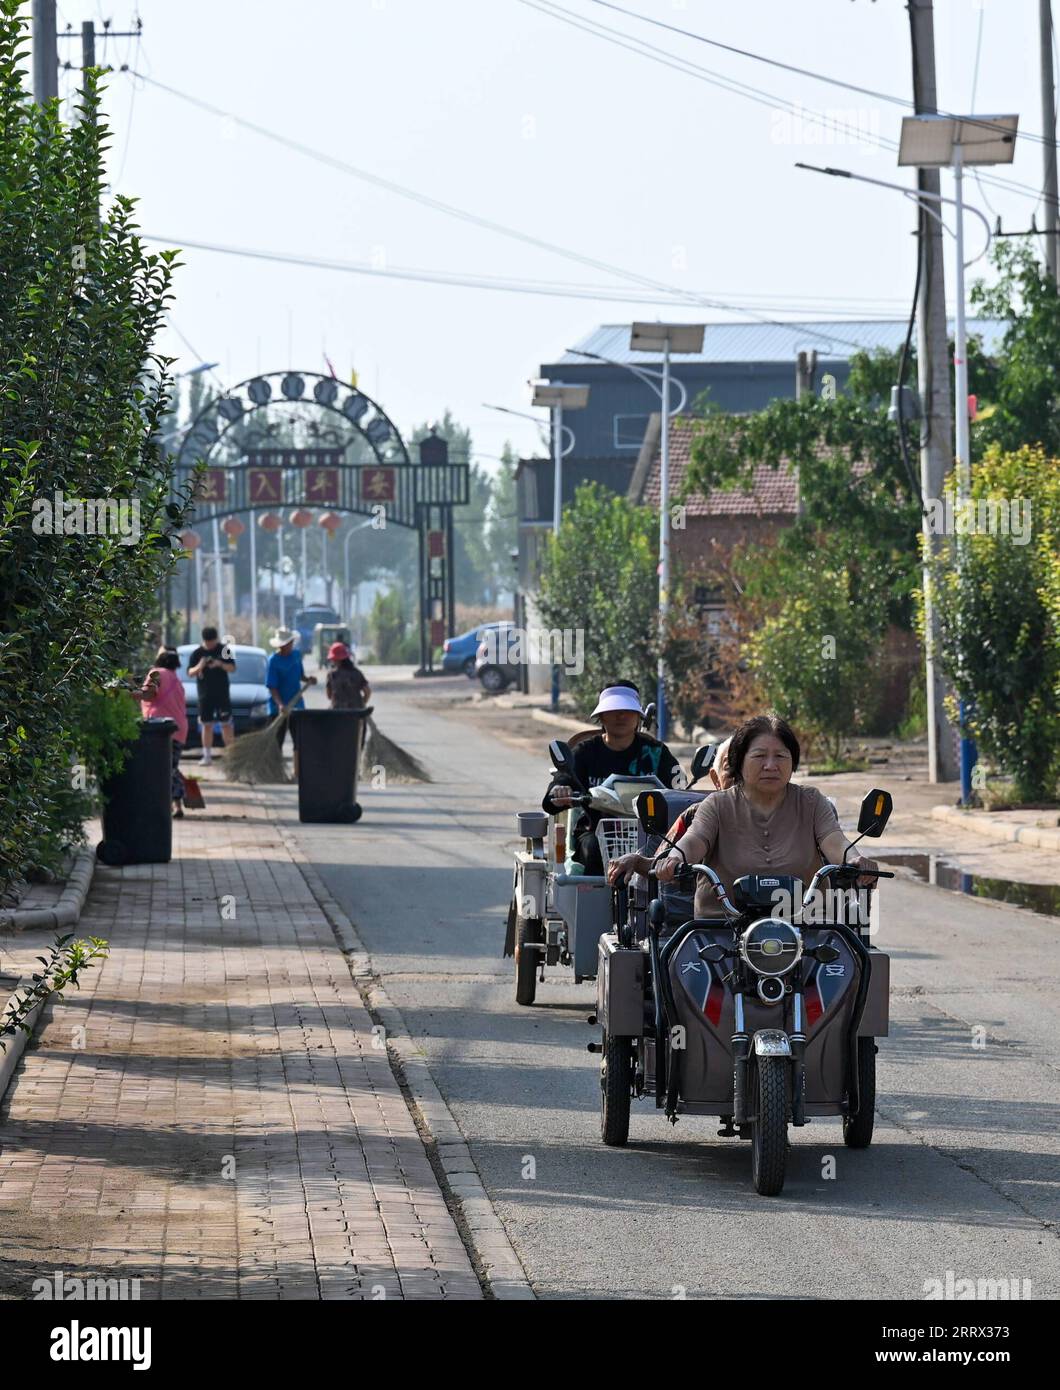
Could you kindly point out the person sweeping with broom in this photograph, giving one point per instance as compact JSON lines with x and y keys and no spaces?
{"x":286,"y":678}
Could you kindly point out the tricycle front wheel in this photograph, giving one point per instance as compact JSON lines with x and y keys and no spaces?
{"x":769,"y":1130}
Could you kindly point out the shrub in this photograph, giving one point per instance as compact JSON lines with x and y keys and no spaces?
{"x":599,"y":577}
{"x":999,"y":619}
{"x":81,"y":395}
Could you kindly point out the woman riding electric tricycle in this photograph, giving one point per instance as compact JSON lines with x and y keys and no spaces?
{"x":764,"y":1013}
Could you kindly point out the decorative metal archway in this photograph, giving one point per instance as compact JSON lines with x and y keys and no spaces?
{"x":237,"y":462}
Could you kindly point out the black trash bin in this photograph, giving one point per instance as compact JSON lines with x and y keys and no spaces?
{"x":329,"y":749}
{"x":137,"y":820}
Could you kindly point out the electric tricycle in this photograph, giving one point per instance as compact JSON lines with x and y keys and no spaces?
{"x":557,"y":911}
{"x":765,"y":1016}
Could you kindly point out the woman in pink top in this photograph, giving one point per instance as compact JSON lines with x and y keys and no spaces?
{"x":162,"y":697}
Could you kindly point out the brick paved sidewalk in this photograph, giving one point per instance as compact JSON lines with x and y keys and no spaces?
{"x":211,"y":1113}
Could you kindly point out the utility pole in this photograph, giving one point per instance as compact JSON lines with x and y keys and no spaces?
{"x":45,"y":52}
{"x":1049,"y":189}
{"x":933,"y":371}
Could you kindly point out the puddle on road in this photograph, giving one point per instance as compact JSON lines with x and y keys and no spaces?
{"x":934,"y":868}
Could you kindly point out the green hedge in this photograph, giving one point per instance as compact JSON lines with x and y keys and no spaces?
{"x":81,"y":394}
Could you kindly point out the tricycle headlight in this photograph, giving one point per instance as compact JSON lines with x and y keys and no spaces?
{"x":771,"y":946}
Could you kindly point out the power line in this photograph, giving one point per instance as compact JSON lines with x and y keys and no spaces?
{"x":751,"y":93}
{"x":688,"y":297}
{"x":486,"y":282}
{"x":792,"y":67}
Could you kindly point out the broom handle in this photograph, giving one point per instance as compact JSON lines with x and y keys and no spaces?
{"x":285,"y":711}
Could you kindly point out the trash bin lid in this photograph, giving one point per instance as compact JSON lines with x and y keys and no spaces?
{"x":158,"y":725}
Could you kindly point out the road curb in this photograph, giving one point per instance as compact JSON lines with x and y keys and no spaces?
{"x":19,"y":1041}
{"x":66,"y":912}
{"x":480,"y":1226}
{"x":983,"y":823}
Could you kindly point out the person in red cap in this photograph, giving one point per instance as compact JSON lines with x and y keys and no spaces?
{"x":346,"y":687}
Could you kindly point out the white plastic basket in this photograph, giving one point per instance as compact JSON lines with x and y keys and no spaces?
{"x":616,"y":837}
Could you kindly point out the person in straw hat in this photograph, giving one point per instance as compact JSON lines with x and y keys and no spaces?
{"x":285,"y":675}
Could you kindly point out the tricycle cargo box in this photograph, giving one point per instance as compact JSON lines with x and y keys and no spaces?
{"x":875,"y":1021}
{"x":620,"y":989}
{"x":584,"y":903}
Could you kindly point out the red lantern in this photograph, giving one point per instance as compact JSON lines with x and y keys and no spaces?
{"x":233,"y":529}
{"x":190,"y":540}
{"x":301,"y":517}
{"x":269,"y":521}
{"x":331,"y":521}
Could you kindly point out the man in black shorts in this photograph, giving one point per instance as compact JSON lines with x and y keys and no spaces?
{"x":211,"y":664}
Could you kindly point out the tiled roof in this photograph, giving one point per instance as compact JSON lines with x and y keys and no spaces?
{"x":775,"y":491}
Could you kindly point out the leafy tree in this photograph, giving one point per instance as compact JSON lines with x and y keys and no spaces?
{"x":823,"y":614}
{"x":388,"y":623}
{"x":81,"y":398}
{"x":599,"y":578}
{"x":1021,"y":404}
{"x":502,"y":523}
{"x":998,"y":602}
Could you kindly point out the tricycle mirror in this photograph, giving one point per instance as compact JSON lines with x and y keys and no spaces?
{"x":562,"y":756}
{"x":875,"y":813}
{"x":657,"y":913}
{"x":650,"y":712}
{"x":703,"y":760}
{"x":652,"y":813}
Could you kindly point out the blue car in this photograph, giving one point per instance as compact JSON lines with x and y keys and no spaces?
{"x":458,"y":653}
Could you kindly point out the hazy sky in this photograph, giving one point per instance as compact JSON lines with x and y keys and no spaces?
{"x":514,"y":116}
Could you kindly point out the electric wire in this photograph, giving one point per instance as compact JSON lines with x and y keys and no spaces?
{"x":563,"y":289}
{"x":751,"y":93}
{"x":800,"y":71}
{"x":688,"y":297}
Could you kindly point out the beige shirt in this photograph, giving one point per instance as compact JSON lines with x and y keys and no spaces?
{"x":734,"y":839}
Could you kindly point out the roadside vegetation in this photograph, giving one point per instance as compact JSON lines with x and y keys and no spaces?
{"x":81,"y":397}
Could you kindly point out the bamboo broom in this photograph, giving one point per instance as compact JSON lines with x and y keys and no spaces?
{"x":257,"y":759}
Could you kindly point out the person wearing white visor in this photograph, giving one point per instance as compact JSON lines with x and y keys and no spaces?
{"x":621,"y":748}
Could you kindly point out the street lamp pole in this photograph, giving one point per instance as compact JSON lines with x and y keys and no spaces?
{"x":346,"y":556}
{"x":930,"y":141}
{"x":665,"y":338}
{"x":557,"y":396}
{"x":557,"y":466}
{"x":661,"y":710}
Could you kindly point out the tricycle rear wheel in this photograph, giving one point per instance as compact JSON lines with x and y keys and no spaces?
{"x":527,"y":933}
{"x":616,"y":1085}
{"x":857,"y":1129}
{"x":769,"y":1131}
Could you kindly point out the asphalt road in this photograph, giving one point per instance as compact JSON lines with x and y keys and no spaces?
{"x":963,"y":1175}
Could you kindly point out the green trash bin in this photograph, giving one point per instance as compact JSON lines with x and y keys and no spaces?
{"x":137,"y":819}
{"x":329,"y":750}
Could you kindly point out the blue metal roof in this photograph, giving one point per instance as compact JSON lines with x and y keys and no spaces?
{"x":834,"y":339}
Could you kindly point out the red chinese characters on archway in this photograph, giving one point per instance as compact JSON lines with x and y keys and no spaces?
{"x":437,"y":632}
{"x":378,"y":484}
{"x":265,"y":485}
{"x":211,"y":485}
{"x":322,"y":486}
